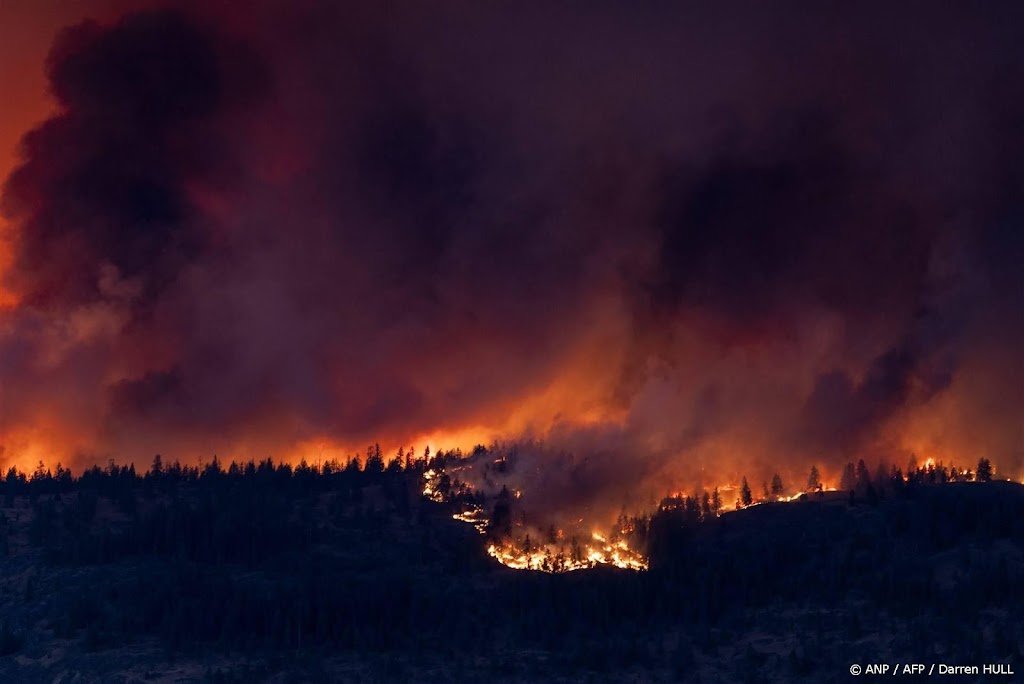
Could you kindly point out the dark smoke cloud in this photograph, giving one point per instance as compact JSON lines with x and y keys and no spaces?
{"x":670,"y":245}
{"x":799,"y":223}
{"x":105,"y":184}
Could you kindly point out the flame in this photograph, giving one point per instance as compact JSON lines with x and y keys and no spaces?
{"x":556,"y":556}
{"x":457,"y":438}
{"x":560,"y":558}
{"x":474,"y":518}
{"x":24,"y":448}
{"x":429,"y":485}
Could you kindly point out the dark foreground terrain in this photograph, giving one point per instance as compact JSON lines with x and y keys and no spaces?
{"x":265,"y":573}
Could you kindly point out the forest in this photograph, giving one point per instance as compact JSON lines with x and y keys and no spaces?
{"x":260,"y":568}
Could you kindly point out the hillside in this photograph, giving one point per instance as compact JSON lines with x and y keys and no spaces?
{"x":270,"y":574}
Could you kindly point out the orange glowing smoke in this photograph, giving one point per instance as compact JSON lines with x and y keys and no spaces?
{"x":674,"y":339}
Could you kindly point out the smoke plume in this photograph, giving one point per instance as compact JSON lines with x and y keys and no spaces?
{"x":671,"y":245}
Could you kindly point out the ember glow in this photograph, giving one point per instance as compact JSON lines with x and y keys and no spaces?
{"x":548,"y":552}
{"x":556,"y":558}
{"x":655,"y":260}
{"x":526,"y":537}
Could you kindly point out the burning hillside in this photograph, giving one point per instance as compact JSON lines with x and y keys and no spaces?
{"x":548,"y":537}
{"x":243,"y":571}
{"x":697,"y":274}
{"x":521,"y":540}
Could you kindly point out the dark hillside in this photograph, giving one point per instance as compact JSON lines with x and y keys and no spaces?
{"x":262,"y":572}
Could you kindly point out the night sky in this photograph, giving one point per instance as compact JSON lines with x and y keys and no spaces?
{"x":664,"y":237}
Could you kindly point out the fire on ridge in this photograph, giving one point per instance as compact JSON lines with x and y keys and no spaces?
{"x":548,"y":550}
{"x":520,"y":545}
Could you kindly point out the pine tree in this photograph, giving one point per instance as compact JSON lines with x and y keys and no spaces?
{"x":814,"y":480}
{"x":984,"y":473}
{"x":777,"y":487}
{"x":374,"y":459}
{"x":745,"y":497}
{"x":849,"y":479}
{"x":863,"y":476}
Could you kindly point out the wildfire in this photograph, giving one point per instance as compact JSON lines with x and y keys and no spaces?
{"x":492,"y":506}
{"x":554,"y":554}
{"x":551,"y":552}
{"x":429,"y":486}
{"x":474,"y":517}
{"x":558,"y":558}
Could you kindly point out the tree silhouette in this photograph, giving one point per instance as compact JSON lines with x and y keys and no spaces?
{"x":374,"y":459}
{"x":848,"y":482}
{"x":777,"y":487}
{"x":500,"y":523}
{"x":984,"y":473}
{"x":745,"y":497}
{"x":814,"y":480}
{"x":863,"y":476}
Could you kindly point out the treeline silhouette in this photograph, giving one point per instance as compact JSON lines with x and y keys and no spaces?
{"x":857,"y":479}
{"x":351,"y":557}
{"x":332,"y":543}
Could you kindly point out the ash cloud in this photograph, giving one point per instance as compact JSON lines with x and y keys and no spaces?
{"x":105,"y":183}
{"x":674,"y":245}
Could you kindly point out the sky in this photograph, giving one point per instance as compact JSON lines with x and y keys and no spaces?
{"x":679,"y":242}
{"x":27,"y":29}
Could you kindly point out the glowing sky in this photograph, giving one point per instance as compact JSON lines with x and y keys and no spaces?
{"x":676,"y":238}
